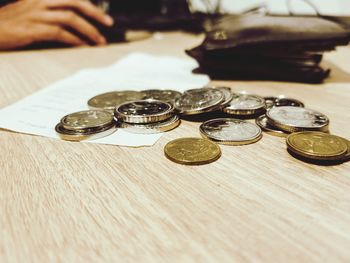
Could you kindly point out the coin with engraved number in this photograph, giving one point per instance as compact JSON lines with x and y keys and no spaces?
{"x":108,"y":101}
{"x":293,"y":119}
{"x":245,"y":104}
{"x":198,"y":101}
{"x":89,"y":119}
{"x":192,"y":151}
{"x":231,"y":131}
{"x":317,"y":145}
{"x":262,"y":122}
{"x":144,"y":111}
{"x":162,"y":95}
{"x":152,"y":128}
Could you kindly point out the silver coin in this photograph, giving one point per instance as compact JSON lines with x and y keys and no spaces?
{"x":228,"y":95}
{"x":270,"y":101}
{"x":162,"y":95}
{"x":198,"y":101}
{"x":293,"y":119}
{"x":262,"y":122}
{"x":231,"y":131}
{"x":152,"y":128}
{"x":245,"y":104}
{"x":144,"y":111}
{"x":282,"y":101}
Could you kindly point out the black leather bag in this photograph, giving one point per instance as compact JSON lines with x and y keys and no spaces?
{"x":256,"y":46}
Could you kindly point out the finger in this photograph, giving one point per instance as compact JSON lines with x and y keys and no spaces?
{"x":66,"y":18}
{"x":45,"y":32}
{"x":84,"y":7}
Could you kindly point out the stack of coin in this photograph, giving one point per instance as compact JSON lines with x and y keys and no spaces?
{"x":203,"y":100}
{"x":147,"y":116}
{"x":318,"y":147}
{"x":244,"y":105}
{"x":86,"y":125}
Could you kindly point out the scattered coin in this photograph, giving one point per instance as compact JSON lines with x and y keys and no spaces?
{"x":192,"y":151}
{"x":293,"y":119}
{"x":231,"y":131}
{"x":262,"y":122}
{"x":317,"y":146}
{"x":245,"y":104}
{"x":144,"y":111}
{"x":149,"y":128}
{"x":281,"y":101}
{"x":197,"y":101}
{"x":89,"y":119}
{"x":108,"y":101}
{"x":270,"y":101}
{"x":168,"y":96}
{"x":228,"y":95}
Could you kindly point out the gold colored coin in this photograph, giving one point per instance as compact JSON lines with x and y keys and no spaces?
{"x":192,"y":151}
{"x":317,"y":145}
{"x":347,"y":155}
{"x":108,"y":101}
{"x":89,"y":119}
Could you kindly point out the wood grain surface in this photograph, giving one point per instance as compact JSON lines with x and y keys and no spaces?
{"x":77,"y":202}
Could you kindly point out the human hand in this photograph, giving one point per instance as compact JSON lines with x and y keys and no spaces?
{"x":29,"y":21}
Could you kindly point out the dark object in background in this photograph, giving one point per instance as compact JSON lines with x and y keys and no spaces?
{"x":266,"y":47}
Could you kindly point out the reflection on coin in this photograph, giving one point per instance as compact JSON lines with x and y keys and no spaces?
{"x":261,"y":121}
{"x":92,"y":134}
{"x":198,"y":101}
{"x":231,"y":131}
{"x":144,"y":111}
{"x":89,"y":119}
{"x":151,"y":128}
{"x":292,"y":119}
{"x":163,"y":95}
{"x":317,"y":145}
{"x":108,"y":101}
{"x":245,"y":104}
{"x":192,"y":151}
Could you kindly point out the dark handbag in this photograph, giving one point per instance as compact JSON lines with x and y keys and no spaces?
{"x":257,"y":46}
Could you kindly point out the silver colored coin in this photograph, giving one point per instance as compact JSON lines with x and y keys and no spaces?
{"x":281,"y":101}
{"x":270,"y":102}
{"x":162,"y":95}
{"x":228,"y":95}
{"x":245,"y":104}
{"x":144,"y":111}
{"x":262,"y":122}
{"x":293,"y":119}
{"x":152,"y":128}
{"x":198,"y":101}
{"x":231,"y":131}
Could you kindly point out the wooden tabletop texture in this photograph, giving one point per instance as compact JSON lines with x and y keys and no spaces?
{"x":78,"y":202}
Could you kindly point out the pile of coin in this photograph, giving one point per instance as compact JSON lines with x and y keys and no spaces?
{"x":86,"y":125}
{"x":154,"y":111}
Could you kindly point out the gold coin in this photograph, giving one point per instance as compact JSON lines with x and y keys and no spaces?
{"x":109,"y":100}
{"x":347,"y":155}
{"x":192,"y":151}
{"x":317,"y":145}
{"x":89,"y":119}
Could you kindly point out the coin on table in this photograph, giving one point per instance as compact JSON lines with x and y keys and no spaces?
{"x":228,"y":95}
{"x":198,"y":101}
{"x":192,"y":151}
{"x":270,"y":101}
{"x":262,"y":122}
{"x":293,"y":119}
{"x":231,"y":131}
{"x":281,"y":101}
{"x":317,"y":145}
{"x":245,"y":104}
{"x":162,"y":95}
{"x":152,"y":128}
{"x":108,"y":101}
{"x":89,"y":119}
{"x":144,"y":111}
{"x":347,"y":155}
{"x":87,"y":135}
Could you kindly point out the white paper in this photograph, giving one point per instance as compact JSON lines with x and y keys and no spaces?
{"x":39,"y":113}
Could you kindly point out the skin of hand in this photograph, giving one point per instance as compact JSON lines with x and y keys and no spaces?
{"x":29,"y":21}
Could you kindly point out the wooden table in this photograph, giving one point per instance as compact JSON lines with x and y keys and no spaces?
{"x":79,"y":202}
